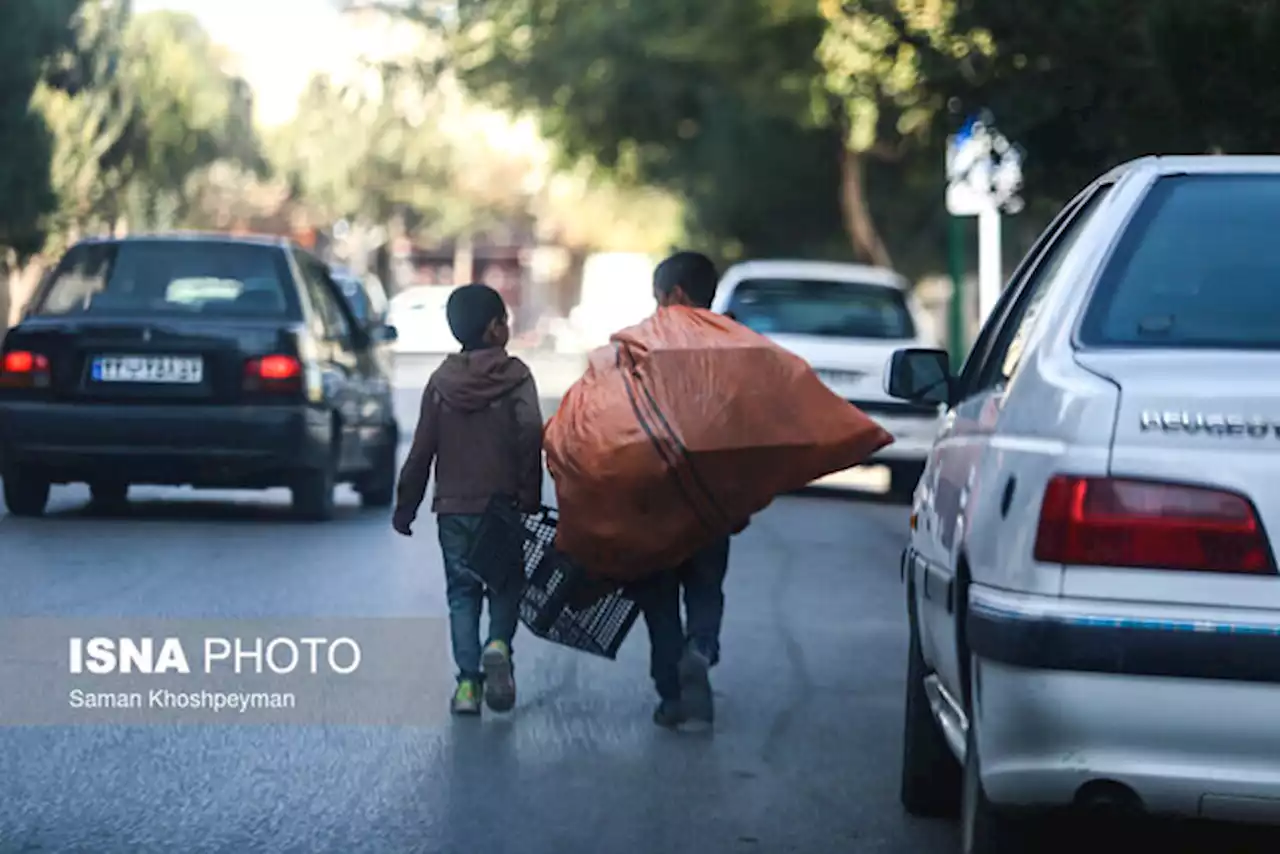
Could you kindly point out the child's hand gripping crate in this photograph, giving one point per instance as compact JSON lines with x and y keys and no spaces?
{"x":511,"y":547}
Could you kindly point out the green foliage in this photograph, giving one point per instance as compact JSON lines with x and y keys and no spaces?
{"x":889,"y":62}
{"x":718,"y":102}
{"x":92,"y":112}
{"x":1087,"y":84}
{"x":586,"y":210}
{"x":193,"y":113}
{"x":357,"y":153}
{"x":139,"y":108}
{"x":33,"y":31}
{"x":776,"y":124}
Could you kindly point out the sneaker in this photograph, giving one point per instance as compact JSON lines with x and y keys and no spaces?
{"x":465,"y":700}
{"x":499,"y":677}
{"x":695,"y":691}
{"x":669,"y":714}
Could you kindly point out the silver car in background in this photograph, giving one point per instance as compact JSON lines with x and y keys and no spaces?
{"x":1092,"y":590}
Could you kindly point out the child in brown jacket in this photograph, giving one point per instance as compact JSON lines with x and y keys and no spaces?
{"x":481,"y":426}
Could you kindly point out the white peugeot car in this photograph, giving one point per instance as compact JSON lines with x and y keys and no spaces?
{"x":1092,"y":593}
{"x":846,"y":320}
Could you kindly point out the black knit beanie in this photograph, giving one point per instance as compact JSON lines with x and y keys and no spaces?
{"x":470,"y":310}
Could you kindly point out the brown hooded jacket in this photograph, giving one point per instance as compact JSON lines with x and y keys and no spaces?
{"x":481,"y":425}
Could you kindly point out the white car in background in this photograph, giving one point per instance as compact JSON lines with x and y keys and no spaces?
{"x":617,"y":292}
{"x":418,"y":315}
{"x":846,"y":320}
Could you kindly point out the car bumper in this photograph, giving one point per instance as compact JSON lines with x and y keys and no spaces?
{"x":173,"y":444}
{"x":1181,"y":709}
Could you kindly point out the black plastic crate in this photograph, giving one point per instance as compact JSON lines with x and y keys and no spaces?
{"x":550,"y":581}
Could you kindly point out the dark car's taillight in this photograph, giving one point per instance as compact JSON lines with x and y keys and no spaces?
{"x":276,"y":373}
{"x":24,"y":369}
{"x":1115,"y":522}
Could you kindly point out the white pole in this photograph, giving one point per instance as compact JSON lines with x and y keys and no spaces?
{"x":989,"y":276}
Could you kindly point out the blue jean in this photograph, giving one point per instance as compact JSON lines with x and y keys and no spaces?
{"x":701,"y":579}
{"x":466,"y":594}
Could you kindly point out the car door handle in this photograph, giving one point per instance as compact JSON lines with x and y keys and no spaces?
{"x":1006,"y":499}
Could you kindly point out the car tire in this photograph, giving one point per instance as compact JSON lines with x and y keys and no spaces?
{"x":109,"y":496}
{"x":931,"y":779}
{"x":313,"y":498}
{"x":378,"y":487}
{"x":26,"y":491}
{"x":903,"y":478}
{"x":984,"y":827}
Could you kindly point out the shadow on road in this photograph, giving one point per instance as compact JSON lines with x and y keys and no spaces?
{"x":1073,"y":835}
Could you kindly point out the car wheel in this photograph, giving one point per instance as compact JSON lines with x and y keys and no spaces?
{"x":313,"y":498}
{"x":378,"y":487}
{"x":26,"y":491}
{"x":903,"y":478}
{"x":109,"y":495}
{"x":984,"y":827}
{"x":931,"y":778}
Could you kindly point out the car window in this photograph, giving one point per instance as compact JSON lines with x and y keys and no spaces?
{"x":1198,"y":267}
{"x":1009,"y":345}
{"x":324,"y":299}
{"x":169,"y":278}
{"x":357,"y":299}
{"x":829,"y":309}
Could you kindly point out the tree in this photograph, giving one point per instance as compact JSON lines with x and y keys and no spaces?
{"x":194,"y":112}
{"x":1082,"y":84}
{"x":586,"y":211}
{"x":34,"y":31}
{"x":122,"y":116}
{"x":94,"y":115}
{"x":774,"y":119}
{"x":890,"y":63}
{"x":716,"y":102}
{"x":139,"y":106}
{"x":368,"y":154}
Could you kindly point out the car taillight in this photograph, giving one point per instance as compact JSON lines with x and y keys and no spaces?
{"x":273,"y":373}
{"x":24,"y":369}
{"x":1098,"y":521}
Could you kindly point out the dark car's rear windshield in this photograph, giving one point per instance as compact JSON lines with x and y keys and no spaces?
{"x":1198,"y":267}
{"x":831,"y":309}
{"x":171,"y":278}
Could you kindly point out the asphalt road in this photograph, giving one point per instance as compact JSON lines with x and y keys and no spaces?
{"x":804,"y":759}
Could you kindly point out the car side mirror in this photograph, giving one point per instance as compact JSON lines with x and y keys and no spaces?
{"x":920,"y":376}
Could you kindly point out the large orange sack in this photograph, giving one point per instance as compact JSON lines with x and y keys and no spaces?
{"x":682,"y":429}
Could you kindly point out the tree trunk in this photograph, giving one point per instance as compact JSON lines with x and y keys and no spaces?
{"x":18,"y":286}
{"x":7,"y":267}
{"x":858,"y":221}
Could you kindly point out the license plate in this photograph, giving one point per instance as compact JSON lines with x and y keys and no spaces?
{"x":182,"y":370}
